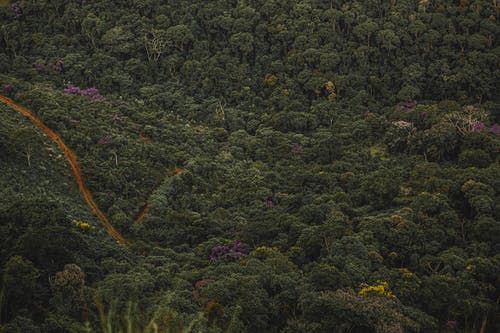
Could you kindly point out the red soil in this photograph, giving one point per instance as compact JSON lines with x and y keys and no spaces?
{"x":146,"y":207}
{"x":72,"y":160}
{"x":143,"y":213}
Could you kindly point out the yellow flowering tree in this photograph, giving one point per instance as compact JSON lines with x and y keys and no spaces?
{"x":380,"y":288}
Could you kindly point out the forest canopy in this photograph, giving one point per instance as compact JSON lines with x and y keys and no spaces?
{"x":272,"y":166}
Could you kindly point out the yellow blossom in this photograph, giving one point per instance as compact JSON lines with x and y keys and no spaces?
{"x":82,"y":225}
{"x":264,"y":248}
{"x":270,"y":80}
{"x":406,"y":272}
{"x":263,"y":251}
{"x":381,"y":288}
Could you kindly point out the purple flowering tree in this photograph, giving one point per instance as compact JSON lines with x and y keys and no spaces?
{"x":58,"y":65}
{"x":105,"y":140}
{"x":218,"y":252}
{"x":71,"y":89}
{"x":478,"y":126}
{"x":296,"y":148}
{"x":270,"y":203}
{"x":39,"y":67}
{"x":408,"y":106}
{"x":91,"y":93}
{"x":495,"y":128}
{"x":17,"y":8}
{"x":237,"y":250}
{"x":470,"y":119}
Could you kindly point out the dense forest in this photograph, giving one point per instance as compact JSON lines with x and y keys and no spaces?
{"x":311,"y":166}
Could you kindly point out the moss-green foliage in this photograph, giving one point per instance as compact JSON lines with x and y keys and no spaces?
{"x":351,"y":146}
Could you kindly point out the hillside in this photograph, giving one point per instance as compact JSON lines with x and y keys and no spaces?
{"x":249,"y":166}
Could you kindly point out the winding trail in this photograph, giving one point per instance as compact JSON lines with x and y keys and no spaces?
{"x":72,"y":160}
{"x":143,"y":213}
{"x":145,"y":209}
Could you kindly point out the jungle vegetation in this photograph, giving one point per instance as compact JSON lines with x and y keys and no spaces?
{"x":274,"y":165}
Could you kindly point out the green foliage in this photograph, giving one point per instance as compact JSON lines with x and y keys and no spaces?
{"x":19,"y":281}
{"x":352,"y":145}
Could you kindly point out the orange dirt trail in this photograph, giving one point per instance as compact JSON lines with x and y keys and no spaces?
{"x":71,"y":157}
{"x":143,"y":213}
{"x":147,"y":206}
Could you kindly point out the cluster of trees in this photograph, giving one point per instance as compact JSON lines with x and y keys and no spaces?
{"x":339,"y":161}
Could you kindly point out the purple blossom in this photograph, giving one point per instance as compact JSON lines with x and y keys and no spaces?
{"x":478,"y":126}
{"x":218,"y":251}
{"x":269,"y":203}
{"x":116,"y":118}
{"x":71,"y":89}
{"x":423,"y":114}
{"x":104,"y":140}
{"x":296,"y":148}
{"x":408,"y":106}
{"x":92,"y":92}
{"x":451,"y":324}
{"x":39,"y":67}
{"x":495,"y":128}
{"x":58,"y":65}
{"x":8,"y":87}
{"x":239,"y":247}
{"x":17,"y":9}
{"x":237,"y":250}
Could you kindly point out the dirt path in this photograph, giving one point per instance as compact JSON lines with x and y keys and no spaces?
{"x":71,"y":157}
{"x":147,"y":206}
{"x":143,"y":213}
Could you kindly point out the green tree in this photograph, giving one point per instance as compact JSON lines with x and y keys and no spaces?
{"x":27,"y":140}
{"x":19,"y":282}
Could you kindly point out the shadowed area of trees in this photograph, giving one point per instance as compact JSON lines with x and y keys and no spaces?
{"x":297,"y":166}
